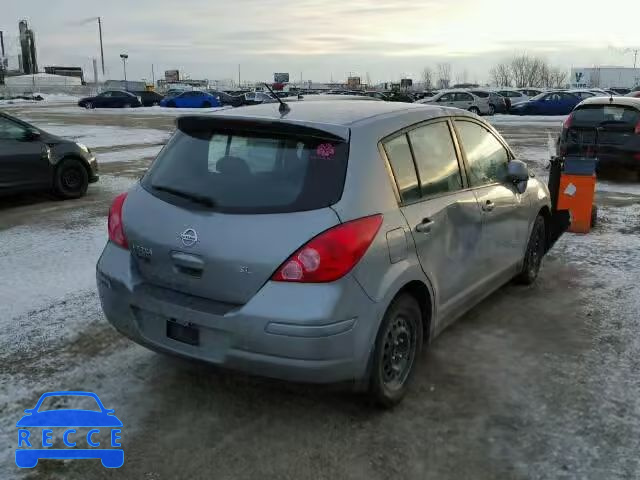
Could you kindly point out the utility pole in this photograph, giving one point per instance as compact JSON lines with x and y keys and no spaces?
{"x":124,"y":57}
{"x":101,"y":49}
{"x":153,"y":76}
{"x":239,"y":83}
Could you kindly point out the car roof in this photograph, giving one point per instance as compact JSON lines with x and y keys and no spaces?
{"x":626,"y":101}
{"x":335,"y":116}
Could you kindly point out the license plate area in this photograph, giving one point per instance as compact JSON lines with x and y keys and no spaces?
{"x":183,"y":333}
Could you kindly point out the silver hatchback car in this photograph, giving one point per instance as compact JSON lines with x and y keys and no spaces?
{"x":322,"y":244}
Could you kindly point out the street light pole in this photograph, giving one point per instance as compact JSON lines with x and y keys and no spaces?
{"x":101,"y":49}
{"x":124,"y":57}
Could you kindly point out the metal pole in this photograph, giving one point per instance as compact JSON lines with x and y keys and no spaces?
{"x":124,"y":67}
{"x":153,"y":76}
{"x":1,"y":45}
{"x":239,"y":83}
{"x":101,"y":49}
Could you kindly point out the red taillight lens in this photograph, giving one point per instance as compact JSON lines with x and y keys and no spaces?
{"x":567,"y":123}
{"x":637,"y":130}
{"x":332,"y":254}
{"x":114,"y":224}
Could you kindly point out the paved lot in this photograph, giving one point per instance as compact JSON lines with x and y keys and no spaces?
{"x":534,"y":383}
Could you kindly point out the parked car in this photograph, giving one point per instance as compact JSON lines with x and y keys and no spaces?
{"x":459,"y":99}
{"x":529,"y":92}
{"x":513,"y":96}
{"x":621,"y":90}
{"x":227,"y":99}
{"x":583,"y":94}
{"x":309,"y":248}
{"x":191,"y":99}
{"x":256,"y":98}
{"x":497,"y":103}
{"x":149,"y":99}
{"x":606,"y":128}
{"x":111,"y":99}
{"x":34,"y":160}
{"x":549,"y":103}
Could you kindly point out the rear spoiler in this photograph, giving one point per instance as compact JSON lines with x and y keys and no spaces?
{"x":208,"y":123}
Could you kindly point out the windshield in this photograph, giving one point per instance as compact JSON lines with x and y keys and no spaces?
{"x":250,"y":172}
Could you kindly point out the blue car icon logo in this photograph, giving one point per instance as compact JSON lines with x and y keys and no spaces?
{"x":39,"y":429}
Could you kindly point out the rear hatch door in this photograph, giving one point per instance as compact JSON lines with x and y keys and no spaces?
{"x":224,"y":204}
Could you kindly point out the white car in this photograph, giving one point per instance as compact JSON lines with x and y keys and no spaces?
{"x":514,"y":96}
{"x":459,"y":99}
{"x":529,"y":92}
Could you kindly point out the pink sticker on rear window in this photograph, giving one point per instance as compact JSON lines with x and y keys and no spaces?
{"x":325,"y":150}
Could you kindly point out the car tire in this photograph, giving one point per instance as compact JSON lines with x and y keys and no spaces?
{"x":492,"y":110}
{"x":534,"y":254}
{"x":206,"y":105}
{"x":594,"y":216}
{"x":155,"y":104}
{"x":475,"y":110}
{"x":71,"y":179}
{"x":171,"y":104}
{"x":397,"y":349}
{"x":126,"y":105}
{"x":89,"y":106}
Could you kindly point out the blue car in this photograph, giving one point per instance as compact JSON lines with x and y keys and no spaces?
{"x":548,"y":103}
{"x":28,"y":453}
{"x":193,"y":99}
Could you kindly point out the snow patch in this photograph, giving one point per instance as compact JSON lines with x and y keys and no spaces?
{"x":96,"y":136}
{"x":128,"y":155}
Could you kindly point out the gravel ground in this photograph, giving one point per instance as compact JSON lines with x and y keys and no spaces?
{"x":535,"y":382}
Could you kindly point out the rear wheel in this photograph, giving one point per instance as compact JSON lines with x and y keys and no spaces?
{"x":155,"y":104}
{"x":475,"y":110}
{"x":206,"y":105}
{"x":171,"y":104}
{"x":71,"y":179}
{"x":398,"y":345}
{"x":127,"y":105}
{"x":535,"y":253}
{"x":492,"y":110}
{"x":88,"y":105}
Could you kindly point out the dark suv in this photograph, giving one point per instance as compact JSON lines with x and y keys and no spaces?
{"x":32,"y":159}
{"x":607,"y":128}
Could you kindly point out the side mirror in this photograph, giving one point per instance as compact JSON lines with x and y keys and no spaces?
{"x":517,"y":171}
{"x":31,"y":135}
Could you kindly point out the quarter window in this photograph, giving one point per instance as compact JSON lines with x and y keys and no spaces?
{"x":11,"y":131}
{"x":486,"y":156}
{"x":401,"y":161}
{"x":436,"y":159}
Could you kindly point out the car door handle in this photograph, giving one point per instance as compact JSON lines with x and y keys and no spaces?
{"x":425,"y":226}
{"x":488,"y":206}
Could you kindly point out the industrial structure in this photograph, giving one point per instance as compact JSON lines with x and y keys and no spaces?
{"x":605,"y":77}
{"x":29,"y":60}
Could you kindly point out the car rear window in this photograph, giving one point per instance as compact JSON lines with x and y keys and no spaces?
{"x":480,"y":94}
{"x":595,"y":115}
{"x":240,"y":171}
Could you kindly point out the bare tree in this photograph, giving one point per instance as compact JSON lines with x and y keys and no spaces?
{"x":444,"y":75}
{"x":501,"y":75}
{"x":558,"y":77}
{"x":427,"y":78}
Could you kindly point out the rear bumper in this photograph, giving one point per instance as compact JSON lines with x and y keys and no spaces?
{"x":320,"y":333}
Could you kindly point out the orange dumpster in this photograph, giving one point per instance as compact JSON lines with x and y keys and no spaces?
{"x":577,"y":191}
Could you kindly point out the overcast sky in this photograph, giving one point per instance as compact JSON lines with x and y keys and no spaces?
{"x":321,"y":39}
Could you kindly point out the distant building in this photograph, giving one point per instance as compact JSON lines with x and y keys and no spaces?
{"x":604,"y":77}
{"x":37,"y":80}
{"x":66,"y":72}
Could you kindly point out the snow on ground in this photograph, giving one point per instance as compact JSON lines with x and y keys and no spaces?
{"x":96,"y":136}
{"x":139,"y":111}
{"x":48,"y":98}
{"x":129,"y":154}
{"x":532,"y":120}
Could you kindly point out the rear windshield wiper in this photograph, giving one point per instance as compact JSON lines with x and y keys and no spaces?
{"x":194,"y":197}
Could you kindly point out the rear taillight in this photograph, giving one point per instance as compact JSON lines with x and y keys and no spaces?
{"x":637,"y":130}
{"x":332,"y":254}
{"x":114,"y":224}
{"x":568,"y":122}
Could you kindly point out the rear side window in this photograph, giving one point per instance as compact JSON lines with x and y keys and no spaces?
{"x":480,"y":94}
{"x":399,"y":155}
{"x":249,"y":172}
{"x":486,"y":156}
{"x":596,"y":115}
{"x":436,"y":159}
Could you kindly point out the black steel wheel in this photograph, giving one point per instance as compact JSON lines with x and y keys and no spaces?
{"x":71,"y":179}
{"x":534,"y":254}
{"x":397,"y":348}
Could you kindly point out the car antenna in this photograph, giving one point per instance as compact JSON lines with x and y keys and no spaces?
{"x":283,"y":108}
